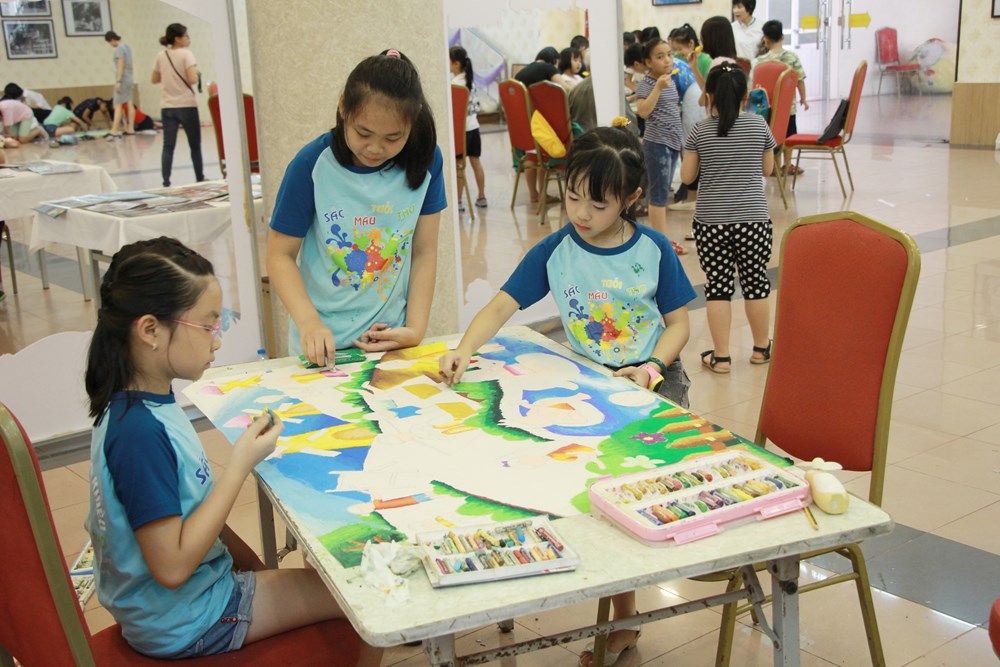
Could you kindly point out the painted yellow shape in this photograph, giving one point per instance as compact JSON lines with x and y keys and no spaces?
{"x":457,"y":410}
{"x":245,"y":383}
{"x":305,"y":378}
{"x":809,"y":22}
{"x":562,"y":406}
{"x":861,"y":20}
{"x":297,"y":410}
{"x":444,"y":522}
{"x":343,"y":436}
{"x":423,"y":390}
{"x":423,"y":362}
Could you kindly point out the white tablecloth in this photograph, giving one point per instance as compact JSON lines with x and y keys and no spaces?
{"x":26,"y":190}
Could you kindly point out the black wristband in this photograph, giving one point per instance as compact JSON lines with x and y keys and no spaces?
{"x":662,"y":366}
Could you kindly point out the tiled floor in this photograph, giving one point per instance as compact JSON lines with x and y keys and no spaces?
{"x":943,"y":475}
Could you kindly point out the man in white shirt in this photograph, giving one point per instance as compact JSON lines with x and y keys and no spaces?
{"x":746,"y":29}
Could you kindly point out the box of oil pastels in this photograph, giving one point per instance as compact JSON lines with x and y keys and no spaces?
{"x":493,"y":551}
{"x":688,"y":500}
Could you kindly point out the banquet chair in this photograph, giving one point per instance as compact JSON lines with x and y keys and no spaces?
{"x":745,"y":64}
{"x":781,"y":113}
{"x":809,"y":143}
{"x":41,"y":622}
{"x":550,"y":100}
{"x":995,"y":627}
{"x":251,"y":122}
{"x":887,"y":58}
{"x":765,"y":75}
{"x":830,"y":384}
{"x":517,"y":109}
{"x":5,"y":236}
{"x":459,"y":110}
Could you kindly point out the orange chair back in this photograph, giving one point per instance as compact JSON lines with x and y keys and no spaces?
{"x":251,"y":121}
{"x":551,"y":101}
{"x":855,"y":100}
{"x":517,"y":109}
{"x":886,"y":46}
{"x":745,"y":64}
{"x":765,"y":75}
{"x":782,"y":103}
{"x":829,"y":389}
{"x":459,"y":110}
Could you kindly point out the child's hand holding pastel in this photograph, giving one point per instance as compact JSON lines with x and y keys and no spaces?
{"x":381,"y":337}
{"x":257,"y":442}
{"x":453,"y":365}
{"x":664,"y":81}
{"x":317,"y":342}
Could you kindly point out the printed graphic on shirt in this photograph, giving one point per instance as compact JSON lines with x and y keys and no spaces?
{"x":365,"y":255}
{"x":608,"y":324}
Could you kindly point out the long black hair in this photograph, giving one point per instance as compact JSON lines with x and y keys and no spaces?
{"x":459,"y":55}
{"x":160,"y":277}
{"x":609,"y":161}
{"x":727,"y":84}
{"x":717,"y":37}
{"x":566,"y":59}
{"x":391,"y":75}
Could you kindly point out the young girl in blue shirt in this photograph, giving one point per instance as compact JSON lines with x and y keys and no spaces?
{"x":362,"y":203}
{"x":176,"y":578}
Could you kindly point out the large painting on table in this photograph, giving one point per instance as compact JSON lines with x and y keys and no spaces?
{"x":382,"y":450}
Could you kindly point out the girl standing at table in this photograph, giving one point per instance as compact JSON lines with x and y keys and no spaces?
{"x":176,"y":68}
{"x":362,"y":202}
{"x":176,"y":578}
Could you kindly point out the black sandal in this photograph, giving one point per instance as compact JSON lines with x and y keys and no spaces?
{"x":709,"y":359}
{"x":765,"y":351}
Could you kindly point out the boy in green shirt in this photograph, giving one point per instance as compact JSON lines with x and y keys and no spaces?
{"x":773,"y":37}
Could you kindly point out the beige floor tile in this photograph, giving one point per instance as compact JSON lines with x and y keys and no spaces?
{"x":976,"y":529}
{"x":906,"y":440}
{"x":972,"y":648}
{"x":81,"y":469}
{"x":982,"y":386}
{"x":64,"y":488}
{"x":937,"y":319}
{"x":69,"y":527}
{"x":745,"y":412}
{"x":924,"y":502}
{"x":750,"y":649}
{"x":929,"y":373}
{"x":943,"y":412}
{"x":961,"y":349}
{"x":98,"y":619}
{"x":491,"y":637}
{"x":217,"y":447}
{"x":711,"y":395}
{"x":964,"y":461}
{"x":990,"y":434}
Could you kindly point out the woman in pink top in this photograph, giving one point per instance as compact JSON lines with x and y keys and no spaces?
{"x":18,"y":122}
{"x":177,"y":70}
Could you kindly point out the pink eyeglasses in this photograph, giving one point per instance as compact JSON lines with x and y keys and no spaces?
{"x":214,"y":329}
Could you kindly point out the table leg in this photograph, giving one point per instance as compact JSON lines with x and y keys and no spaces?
{"x":268,"y":541}
{"x":440,"y":650}
{"x":785,"y":615}
{"x":95,"y":284}
{"x":43,"y":267}
{"x":601,"y":641}
{"x":83,"y":257}
{"x":506,"y":626}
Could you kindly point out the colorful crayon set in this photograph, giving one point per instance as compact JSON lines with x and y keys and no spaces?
{"x":488,"y":552}
{"x":688,"y":500}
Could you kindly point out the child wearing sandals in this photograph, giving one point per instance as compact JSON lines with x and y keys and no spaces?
{"x":729,"y":152}
{"x":461,"y":71}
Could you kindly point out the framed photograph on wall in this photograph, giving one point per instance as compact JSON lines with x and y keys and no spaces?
{"x":86,"y":18}
{"x":29,"y":39}
{"x":657,"y":3}
{"x":25,"y":8}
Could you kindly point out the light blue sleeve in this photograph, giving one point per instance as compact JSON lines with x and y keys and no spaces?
{"x":295,"y":205}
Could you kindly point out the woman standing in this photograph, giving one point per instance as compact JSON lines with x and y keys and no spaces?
{"x":124,"y":83}
{"x":177,"y":70}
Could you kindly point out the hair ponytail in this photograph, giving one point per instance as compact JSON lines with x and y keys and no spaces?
{"x":609,"y":162}
{"x":459,"y":55}
{"x":727,"y":84}
{"x":161,"y":277}
{"x":174,"y":32}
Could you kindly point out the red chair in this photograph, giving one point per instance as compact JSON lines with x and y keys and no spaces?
{"x":251,"y":121}
{"x":745,"y":64}
{"x":459,"y":110}
{"x":808,"y":143}
{"x":829,"y":264}
{"x":781,"y":113}
{"x":765,"y":75}
{"x":550,"y":100}
{"x":517,"y":109}
{"x":887,"y":58}
{"x":40,"y":620}
{"x":995,"y":627}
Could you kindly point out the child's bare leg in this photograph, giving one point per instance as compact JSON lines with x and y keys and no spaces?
{"x":130,"y":124}
{"x":759,"y":316}
{"x":531,"y":176}
{"x":116,"y":123}
{"x":720,"y":317}
{"x":477,"y":169}
{"x":624,"y":606}
{"x":658,"y":218}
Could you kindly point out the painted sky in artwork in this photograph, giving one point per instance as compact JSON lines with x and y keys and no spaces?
{"x":383,"y":450}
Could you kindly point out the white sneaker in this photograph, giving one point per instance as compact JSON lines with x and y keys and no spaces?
{"x":686,"y":205}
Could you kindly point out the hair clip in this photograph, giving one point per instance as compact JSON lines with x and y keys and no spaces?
{"x":393,"y":53}
{"x":620,"y":121}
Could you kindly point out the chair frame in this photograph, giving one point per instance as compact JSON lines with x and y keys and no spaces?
{"x":5,"y":234}
{"x":215,"y":112}
{"x":775,"y":105}
{"x":544,"y":159}
{"x":460,"y":102}
{"x":852,"y":552}
{"x":823,"y":151}
{"x":530,"y":158}
{"x":894,"y":66}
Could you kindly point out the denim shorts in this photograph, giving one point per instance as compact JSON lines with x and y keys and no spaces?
{"x":661,"y":160}
{"x":230,"y":631}
{"x":676,"y":384}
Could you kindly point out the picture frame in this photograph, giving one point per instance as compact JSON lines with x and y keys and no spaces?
{"x":30,"y":39}
{"x":86,"y":18}
{"x":12,"y":8}
{"x":661,"y":3}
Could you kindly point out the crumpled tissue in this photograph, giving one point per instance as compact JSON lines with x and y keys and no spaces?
{"x":385,"y":566}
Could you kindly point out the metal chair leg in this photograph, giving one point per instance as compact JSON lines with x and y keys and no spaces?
{"x":836,"y":167}
{"x":5,"y":232}
{"x":853,"y":552}
{"x":880,"y":75}
{"x":795,"y":173}
{"x":517,"y":179}
{"x":727,"y":630}
{"x":847,"y":165}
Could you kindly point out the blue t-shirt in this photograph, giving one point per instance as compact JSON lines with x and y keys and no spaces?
{"x":147,"y":463}
{"x":611,"y":300}
{"x":357,"y":226}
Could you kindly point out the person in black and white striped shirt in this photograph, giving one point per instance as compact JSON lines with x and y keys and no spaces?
{"x":729,"y":152}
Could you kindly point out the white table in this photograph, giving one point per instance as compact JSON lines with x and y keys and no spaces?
{"x":98,"y":236}
{"x":611,"y":562}
{"x":22,"y":193}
